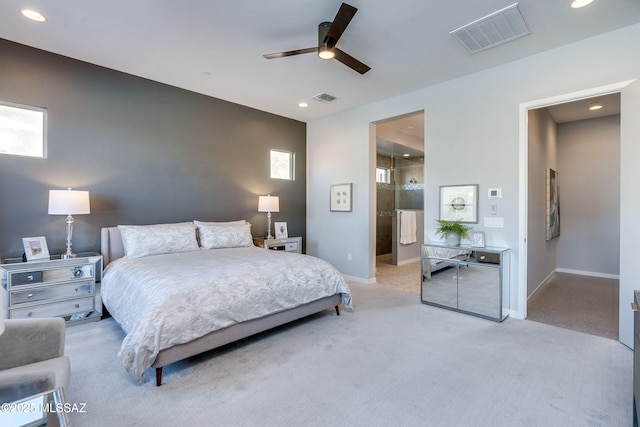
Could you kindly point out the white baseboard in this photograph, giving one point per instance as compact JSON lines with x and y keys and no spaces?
{"x":540,"y":285}
{"x":408,"y":261}
{"x":362,"y":280}
{"x":577,"y":272}
{"x":588,"y":273}
{"x":514,"y":314}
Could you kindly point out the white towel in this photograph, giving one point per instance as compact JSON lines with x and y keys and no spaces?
{"x":407,"y":227}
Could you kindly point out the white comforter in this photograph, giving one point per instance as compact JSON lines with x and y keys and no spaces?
{"x":163,"y":300}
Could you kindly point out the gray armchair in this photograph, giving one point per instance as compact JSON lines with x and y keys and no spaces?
{"x":32,"y":357}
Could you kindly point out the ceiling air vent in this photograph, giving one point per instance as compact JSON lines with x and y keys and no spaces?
{"x":324,"y":97}
{"x":495,"y":29}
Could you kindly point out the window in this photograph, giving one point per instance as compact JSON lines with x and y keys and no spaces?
{"x":383,"y":175}
{"x":282,"y":165}
{"x":22,"y":130}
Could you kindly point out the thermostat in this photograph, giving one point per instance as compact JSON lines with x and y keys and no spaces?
{"x":495,"y":193}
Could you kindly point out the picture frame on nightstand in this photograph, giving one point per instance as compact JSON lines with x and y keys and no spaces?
{"x":281,"y":230}
{"x":477,"y":239}
{"x":35,"y":248}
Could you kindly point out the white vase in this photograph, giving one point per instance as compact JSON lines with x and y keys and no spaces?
{"x":452,"y":239}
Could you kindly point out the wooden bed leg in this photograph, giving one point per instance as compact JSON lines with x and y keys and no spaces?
{"x":338,"y":310}
{"x":158,"y":377}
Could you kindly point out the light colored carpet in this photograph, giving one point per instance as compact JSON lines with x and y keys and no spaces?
{"x":392,"y":362}
{"x":580,"y":303}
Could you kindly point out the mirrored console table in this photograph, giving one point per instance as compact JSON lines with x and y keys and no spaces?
{"x":467,"y":279}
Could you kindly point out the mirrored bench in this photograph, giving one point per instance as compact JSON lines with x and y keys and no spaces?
{"x":467,"y":279}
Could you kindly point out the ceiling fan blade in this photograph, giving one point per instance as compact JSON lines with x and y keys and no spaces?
{"x":350,"y":61}
{"x":290,"y":53}
{"x":343,"y":17}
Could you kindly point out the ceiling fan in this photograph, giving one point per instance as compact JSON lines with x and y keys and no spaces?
{"x":328,"y":35}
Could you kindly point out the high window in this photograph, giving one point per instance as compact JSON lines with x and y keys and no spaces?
{"x":23,"y":130}
{"x":282,"y":165}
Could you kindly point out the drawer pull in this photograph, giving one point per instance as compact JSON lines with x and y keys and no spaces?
{"x":77,"y":305}
{"x":30,"y":277}
{"x":634,"y":306}
{"x":77,"y":289}
{"x":29,"y":314}
{"x":29,"y":296}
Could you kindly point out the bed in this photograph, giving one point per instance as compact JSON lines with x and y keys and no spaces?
{"x":178,"y":290}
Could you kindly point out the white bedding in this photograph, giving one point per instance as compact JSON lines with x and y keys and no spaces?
{"x":163,"y":300}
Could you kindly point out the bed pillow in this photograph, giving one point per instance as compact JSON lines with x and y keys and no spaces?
{"x":239,"y":222}
{"x":144,"y":240}
{"x":225,"y":235}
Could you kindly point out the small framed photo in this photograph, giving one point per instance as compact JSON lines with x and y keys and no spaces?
{"x":281,"y":230}
{"x":341,"y":197}
{"x":477,"y":239}
{"x":35,"y":248}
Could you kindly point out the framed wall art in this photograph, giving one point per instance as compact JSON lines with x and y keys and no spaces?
{"x":552,"y":205}
{"x":35,"y":248}
{"x":341,"y":197}
{"x":459,"y":203}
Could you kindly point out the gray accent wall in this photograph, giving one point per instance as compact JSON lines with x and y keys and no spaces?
{"x":147,"y":153}
{"x":589,"y":162}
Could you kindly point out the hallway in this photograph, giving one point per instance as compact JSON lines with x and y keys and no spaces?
{"x":581,"y":303}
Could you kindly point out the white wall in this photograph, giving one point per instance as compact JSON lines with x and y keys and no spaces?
{"x":471,"y":136}
{"x":589,"y":171}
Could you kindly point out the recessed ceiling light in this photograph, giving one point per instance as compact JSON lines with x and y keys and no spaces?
{"x":595,"y":106}
{"x":406,"y":155}
{"x":33,"y":15}
{"x":303,"y":105}
{"x":576,"y":4}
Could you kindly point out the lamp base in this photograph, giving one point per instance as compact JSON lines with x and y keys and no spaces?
{"x":68,"y":256}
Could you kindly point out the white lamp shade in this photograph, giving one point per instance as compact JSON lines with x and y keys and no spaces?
{"x":68,"y":202}
{"x":268,"y":204}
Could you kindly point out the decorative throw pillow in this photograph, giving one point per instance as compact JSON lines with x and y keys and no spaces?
{"x":217,"y":236}
{"x":144,"y":240}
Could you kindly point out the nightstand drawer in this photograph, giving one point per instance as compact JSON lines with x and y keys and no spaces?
{"x":52,"y":293}
{"x":26,"y":278}
{"x":291,"y":247}
{"x":57,"y":309}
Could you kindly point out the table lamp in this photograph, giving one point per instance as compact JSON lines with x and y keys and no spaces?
{"x":269,"y":204}
{"x":68,"y":202}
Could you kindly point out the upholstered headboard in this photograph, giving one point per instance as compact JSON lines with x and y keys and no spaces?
{"x":111,"y":244}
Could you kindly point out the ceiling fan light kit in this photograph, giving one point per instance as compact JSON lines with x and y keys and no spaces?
{"x":328,"y":35}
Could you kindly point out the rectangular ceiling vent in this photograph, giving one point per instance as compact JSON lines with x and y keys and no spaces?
{"x":324,"y":97}
{"x":495,"y":29}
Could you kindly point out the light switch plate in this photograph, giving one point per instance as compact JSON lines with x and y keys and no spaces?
{"x":494,"y":222}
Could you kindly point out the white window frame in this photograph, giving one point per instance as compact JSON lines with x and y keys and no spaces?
{"x":291,"y":166}
{"x":33,"y":129}
{"x":387,"y":175}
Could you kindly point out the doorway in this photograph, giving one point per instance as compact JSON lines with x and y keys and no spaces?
{"x":583,"y":146}
{"x":399,"y":193}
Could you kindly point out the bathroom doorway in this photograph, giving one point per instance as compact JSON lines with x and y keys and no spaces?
{"x":399,"y":191}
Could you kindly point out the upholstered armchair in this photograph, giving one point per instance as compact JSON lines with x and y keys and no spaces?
{"x":32,"y":356}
